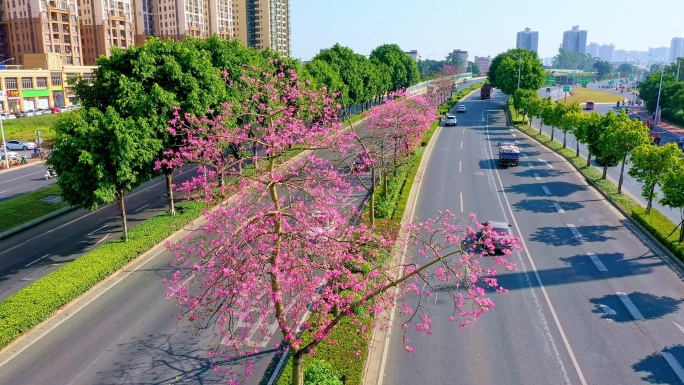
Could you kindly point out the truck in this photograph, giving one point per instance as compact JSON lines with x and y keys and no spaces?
{"x":486,"y":91}
{"x":509,"y":154}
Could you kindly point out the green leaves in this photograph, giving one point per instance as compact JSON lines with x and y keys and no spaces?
{"x":507,"y":67}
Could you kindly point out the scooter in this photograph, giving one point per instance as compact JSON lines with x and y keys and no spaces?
{"x":50,"y":173}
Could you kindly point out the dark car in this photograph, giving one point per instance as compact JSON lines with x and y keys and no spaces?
{"x":500,"y":233}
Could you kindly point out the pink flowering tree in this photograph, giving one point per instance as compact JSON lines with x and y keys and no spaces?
{"x":392,"y":132}
{"x":280,"y":249}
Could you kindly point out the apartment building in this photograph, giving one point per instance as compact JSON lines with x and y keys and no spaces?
{"x":575,"y":40}
{"x":42,"y":82}
{"x":528,"y":40}
{"x":105,"y":24}
{"x":40,"y":26}
{"x":263,"y":24}
{"x":483,"y":63}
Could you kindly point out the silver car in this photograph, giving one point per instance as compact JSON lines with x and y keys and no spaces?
{"x":450,"y":120}
{"x":10,"y":154}
{"x":20,"y":145}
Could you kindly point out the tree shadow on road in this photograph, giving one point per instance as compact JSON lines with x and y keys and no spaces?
{"x":563,"y":236}
{"x":545,"y":205}
{"x":557,"y":188}
{"x":656,"y":369}
{"x":649,"y":305}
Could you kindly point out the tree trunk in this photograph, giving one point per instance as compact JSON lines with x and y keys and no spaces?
{"x":605,"y":170}
{"x":622,"y":173}
{"x":577,"y":142}
{"x":553,"y":131}
{"x":589,"y":159}
{"x":122,"y":211}
{"x":169,"y":191}
{"x":541,"y":124}
{"x":372,"y":198}
{"x":564,"y":138}
{"x":297,"y":369}
{"x":649,"y":204}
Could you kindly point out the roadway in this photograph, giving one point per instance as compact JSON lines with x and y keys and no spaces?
{"x":630,"y":185}
{"x":22,"y":179}
{"x":592,"y":302}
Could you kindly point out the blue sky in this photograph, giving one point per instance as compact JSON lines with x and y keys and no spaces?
{"x":440,"y":26}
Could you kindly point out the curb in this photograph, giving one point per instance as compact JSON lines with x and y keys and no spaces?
{"x":36,"y":221}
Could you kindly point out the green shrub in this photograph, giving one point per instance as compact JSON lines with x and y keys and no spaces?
{"x":386,"y":200}
{"x":320,"y":372}
{"x":36,"y":302}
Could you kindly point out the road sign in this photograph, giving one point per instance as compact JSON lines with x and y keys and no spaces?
{"x":550,"y":79}
{"x":631,"y":78}
{"x":611,"y":82}
{"x":39,"y":140}
{"x":566,"y":88}
{"x":571,"y":76}
{"x":37,"y":133}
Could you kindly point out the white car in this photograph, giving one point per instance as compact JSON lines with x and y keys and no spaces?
{"x":461,"y":108}
{"x":10,"y":154}
{"x":450,"y":120}
{"x":5,"y":116}
{"x":20,"y":145}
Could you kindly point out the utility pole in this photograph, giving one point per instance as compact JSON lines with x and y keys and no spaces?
{"x":660,"y":87}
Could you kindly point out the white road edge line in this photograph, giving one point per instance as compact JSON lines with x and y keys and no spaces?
{"x":140,"y":208}
{"x":4,"y":191}
{"x":95,"y":231}
{"x":636,"y":314}
{"x":536,"y":176}
{"x":597,"y":262}
{"x":459,"y":166}
{"x":24,"y":176}
{"x":558,"y":208}
{"x":37,"y":260}
{"x":546,"y":190}
{"x":103,"y":238}
{"x":679,"y":371}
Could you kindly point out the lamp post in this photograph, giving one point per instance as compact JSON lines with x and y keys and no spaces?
{"x":2,"y":130}
{"x":519,"y":65}
{"x":660,"y":87}
{"x":6,"y":60}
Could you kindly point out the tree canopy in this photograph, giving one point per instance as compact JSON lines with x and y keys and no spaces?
{"x":507,"y":67}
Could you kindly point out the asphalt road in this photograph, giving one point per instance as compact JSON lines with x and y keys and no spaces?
{"x":591,"y":301}
{"x":630,"y":185}
{"x":22,"y":179}
{"x":39,"y":250}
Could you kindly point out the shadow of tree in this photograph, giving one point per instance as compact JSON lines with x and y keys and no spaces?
{"x":557,"y":188}
{"x":649,"y":305}
{"x":529,"y":173}
{"x":545,"y":205}
{"x":656,"y":369}
{"x":563,"y":236}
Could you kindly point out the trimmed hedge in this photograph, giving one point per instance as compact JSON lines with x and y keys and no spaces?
{"x":36,"y":302}
{"x":658,"y":225}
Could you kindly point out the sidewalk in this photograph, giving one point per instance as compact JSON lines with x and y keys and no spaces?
{"x":14,"y":167}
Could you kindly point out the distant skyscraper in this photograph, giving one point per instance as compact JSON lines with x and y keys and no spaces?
{"x":528,"y":40}
{"x":463,"y":60}
{"x":606,"y":52}
{"x":593,"y":49}
{"x":575,"y":40}
{"x":676,"y":48}
{"x":658,"y":55}
{"x":414,"y":54}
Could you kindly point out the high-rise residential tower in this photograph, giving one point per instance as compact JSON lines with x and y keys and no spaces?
{"x":528,"y":40}
{"x":105,"y":24}
{"x":676,"y":48}
{"x":575,"y":40}
{"x":593,"y":49}
{"x":263,"y":24}
{"x":606,"y":52}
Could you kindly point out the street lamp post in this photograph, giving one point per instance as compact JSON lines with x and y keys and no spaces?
{"x":660,"y":87}
{"x":519,"y":65}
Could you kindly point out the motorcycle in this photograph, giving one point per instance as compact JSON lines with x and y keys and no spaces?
{"x":50,"y":173}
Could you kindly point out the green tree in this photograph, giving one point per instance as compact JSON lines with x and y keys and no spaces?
{"x":603,"y":69}
{"x":99,"y":157}
{"x":456,"y":60}
{"x":587,"y":126}
{"x":320,"y":372}
{"x":620,"y":136}
{"x":649,"y":166}
{"x":325,"y":75}
{"x":403,"y":70}
{"x":673,"y":192}
{"x":518,"y":64}
{"x":148,"y":82}
{"x":474,"y":68}
{"x":350,"y":66}
{"x":626,"y":69}
{"x":545,"y":112}
{"x":524,"y":100}
{"x":568,"y":118}
{"x":573,"y":60}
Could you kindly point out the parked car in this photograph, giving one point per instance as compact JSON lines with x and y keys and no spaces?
{"x":461,"y":108}
{"x":500,"y":233}
{"x":45,"y":111}
{"x":10,"y":154}
{"x":450,"y":120}
{"x":55,"y":110}
{"x":5,"y":116}
{"x":20,"y":145}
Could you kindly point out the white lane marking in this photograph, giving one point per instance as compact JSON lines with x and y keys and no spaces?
{"x":461,"y":195}
{"x":636,"y":314}
{"x":37,"y":260}
{"x":680,"y":327}
{"x":530,"y":165}
{"x":679,"y":371}
{"x":523,"y":155}
{"x":459,"y":166}
{"x":463,"y":130}
{"x":597,"y":262}
{"x":546,"y":190}
{"x":103,"y":238}
{"x":574,"y":230}
{"x":141,"y":207}
{"x":461,"y":145}
{"x":23,"y":176}
{"x":558,"y":208}
{"x":95,"y":231}
{"x":607,"y":310}
{"x":545,"y":162}
{"x":4,"y":191}
{"x":536,"y":176}
{"x":513,"y":135}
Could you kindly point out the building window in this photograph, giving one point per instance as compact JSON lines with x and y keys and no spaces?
{"x":46,"y":26}
{"x":56,"y":79}
{"x":27,"y":82}
{"x":47,"y":37}
{"x":11,"y":83}
{"x":48,"y":48}
{"x":41,"y":82}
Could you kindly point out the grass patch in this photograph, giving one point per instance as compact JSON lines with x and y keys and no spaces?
{"x":27,"y":207}
{"x":23,"y":128}
{"x":655,"y":223}
{"x":582,"y":95}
